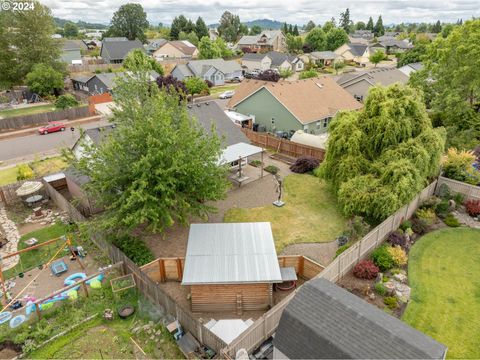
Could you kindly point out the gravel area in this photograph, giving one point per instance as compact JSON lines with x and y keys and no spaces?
{"x":323,"y":253}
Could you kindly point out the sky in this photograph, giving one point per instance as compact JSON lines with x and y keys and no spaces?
{"x":292,"y":11}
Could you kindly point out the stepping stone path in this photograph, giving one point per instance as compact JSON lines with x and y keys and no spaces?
{"x":11,"y":232}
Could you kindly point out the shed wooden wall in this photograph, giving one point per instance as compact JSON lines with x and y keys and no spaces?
{"x":217,"y":298}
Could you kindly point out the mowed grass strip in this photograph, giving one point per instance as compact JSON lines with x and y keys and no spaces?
{"x":444,"y":273}
{"x":311,"y":213}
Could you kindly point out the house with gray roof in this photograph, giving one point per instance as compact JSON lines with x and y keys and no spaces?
{"x":358,"y":83}
{"x":114,"y":50}
{"x":71,"y":51}
{"x":153,"y":44}
{"x":267,"y":40}
{"x":323,"y":58}
{"x":272,"y":60}
{"x":411,"y":68}
{"x":216,"y":71}
{"x":391,"y":45}
{"x":324,"y":321}
{"x":358,"y":53}
{"x":100,"y":83}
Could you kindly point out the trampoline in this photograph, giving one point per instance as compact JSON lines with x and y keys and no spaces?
{"x":58,"y":267}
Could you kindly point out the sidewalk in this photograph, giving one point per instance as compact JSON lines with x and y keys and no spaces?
{"x":34,"y":130}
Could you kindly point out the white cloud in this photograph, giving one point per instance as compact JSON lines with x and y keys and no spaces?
{"x":292,"y":11}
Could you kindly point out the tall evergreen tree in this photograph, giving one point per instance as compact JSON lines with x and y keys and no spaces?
{"x":378,"y":29}
{"x":290,"y":29}
{"x":310,"y":25}
{"x":230,"y":26}
{"x":345,"y":21}
{"x":201,"y":28}
{"x":179,"y":24}
{"x":285,"y":29}
{"x":295,"y":31}
{"x":437,"y":27}
{"x":370,"y":24}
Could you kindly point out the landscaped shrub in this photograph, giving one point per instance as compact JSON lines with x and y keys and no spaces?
{"x":342,"y":240}
{"x":458,"y":198}
{"x":255,"y":163}
{"x":419,"y":226}
{"x":451,"y":221}
{"x":357,"y":228}
{"x":391,"y":302}
{"x":380,"y":289}
{"x":66,"y":101}
{"x":395,"y":238}
{"x":427,"y":215}
{"x":430,"y":203}
{"x":341,"y":249}
{"x":405,"y":225}
{"x":442,"y":209}
{"x":472,"y":207}
{"x":134,"y":248}
{"x":458,"y":166}
{"x":24,"y":172}
{"x":304,"y":164}
{"x":365,"y":269}
{"x":272,"y":169}
{"x":398,"y":255}
{"x":382,"y":258}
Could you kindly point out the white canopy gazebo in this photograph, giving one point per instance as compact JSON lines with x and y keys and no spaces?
{"x":239,"y":152}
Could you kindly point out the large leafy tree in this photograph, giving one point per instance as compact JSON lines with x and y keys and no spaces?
{"x":335,"y":38}
{"x":376,"y":57}
{"x":158,"y":167}
{"x":451,"y":82}
{"x":378,"y":158}
{"x":130,"y":21}
{"x":207,"y":49}
{"x":294,"y":43}
{"x":44,"y":80}
{"x":255,"y":30}
{"x":70,"y":30}
{"x":137,"y":58}
{"x":230,"y":27}
{"x":316,"y":39}
{"x":26,"y":40}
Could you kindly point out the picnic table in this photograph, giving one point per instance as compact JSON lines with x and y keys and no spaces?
{"x":33,"y":199}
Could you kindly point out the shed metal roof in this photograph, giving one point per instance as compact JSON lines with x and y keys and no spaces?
{"x":238,"y":150}
{"x":324,"y":321}
{"x":231,"y":253}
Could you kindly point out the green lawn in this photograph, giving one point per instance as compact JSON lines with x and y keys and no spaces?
{"x":40,"y":168}
{"x":33,"y":258}
{"x":217,"y":90}
{"x":27,"y":110}
{"x":444,"y":273}
{"x":311,"y":213}
{"x":8,"y":176}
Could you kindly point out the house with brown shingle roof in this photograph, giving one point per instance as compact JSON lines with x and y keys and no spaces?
{"x":288,"y":106}
{"x":179,"y":49}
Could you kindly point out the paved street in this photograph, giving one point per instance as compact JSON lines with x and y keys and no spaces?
{"x":24,"y":147}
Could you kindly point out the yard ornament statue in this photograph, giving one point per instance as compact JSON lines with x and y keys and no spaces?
{"x":278,"y":202}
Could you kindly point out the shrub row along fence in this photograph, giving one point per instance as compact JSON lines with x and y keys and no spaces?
{"x":144,"y":283}
{"x":171,"y":269}
{"x":266,"y":325}
{"x":283,"y":146}
{"x":19,"y":122}
{"x":467,"y":190}
{"x":92,"y":67}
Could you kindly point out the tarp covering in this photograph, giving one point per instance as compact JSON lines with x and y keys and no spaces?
{"x":317,"y":141}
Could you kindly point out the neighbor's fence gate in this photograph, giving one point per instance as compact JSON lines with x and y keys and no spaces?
{"x":266,"y":325}
{"x":145,"y":284}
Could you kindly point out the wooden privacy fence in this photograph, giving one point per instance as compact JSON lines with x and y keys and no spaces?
{"x":266,"y":325}
{"x":469,"y":191}
{"x":171,"y":269}
{"x":145,"y":284}
{"x":283,"y":146}
{"x":19,"y":122}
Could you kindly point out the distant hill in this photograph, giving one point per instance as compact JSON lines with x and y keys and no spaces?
{"x":263,"y":23}
{"x":81,"y":24}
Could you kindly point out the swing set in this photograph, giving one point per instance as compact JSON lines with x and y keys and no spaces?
{"x":20,"y":270}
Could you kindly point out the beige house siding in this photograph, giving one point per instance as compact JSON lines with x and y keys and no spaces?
{"x":170,"y":51}
{"x":261,"y":65}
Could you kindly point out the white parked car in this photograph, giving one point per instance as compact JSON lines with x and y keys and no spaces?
{"x":227,"y":94}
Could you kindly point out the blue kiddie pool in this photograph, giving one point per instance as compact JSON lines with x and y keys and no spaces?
{"x":5,"y":316}
{"x":58,"y":267}
{"x":17,"y":321}
{"x":72,"y":279}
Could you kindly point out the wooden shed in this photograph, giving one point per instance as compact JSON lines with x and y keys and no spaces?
{"x":231,"y":267}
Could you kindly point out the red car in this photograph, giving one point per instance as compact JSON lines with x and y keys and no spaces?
{"x":54,"y":126}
